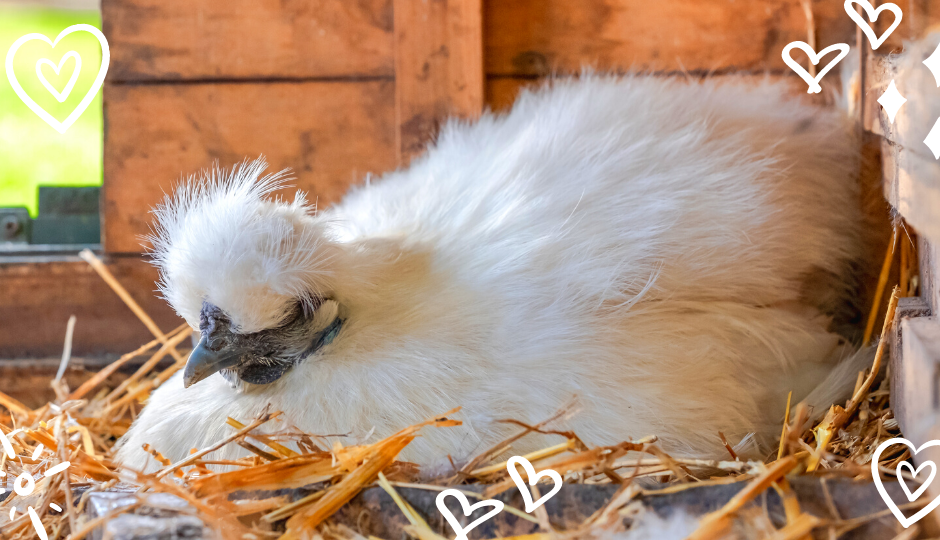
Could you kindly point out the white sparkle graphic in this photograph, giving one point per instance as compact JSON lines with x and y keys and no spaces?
{"x":57,"y":469}
{"x":933,"y":63}
{"x":933,"y":140}
{"x":892,"y":101}
{"x":40,"y":530}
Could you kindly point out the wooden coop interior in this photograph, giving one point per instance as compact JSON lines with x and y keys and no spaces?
{"x":337,"y":90}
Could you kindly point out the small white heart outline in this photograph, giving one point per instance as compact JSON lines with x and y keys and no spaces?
{"x":533,"y":479}
{"x":879,"y":485}
{"x":873,"y":15}
{"x":64,"y":94}
{"x":61,"y":127}
{"x":914,"y":472}
{"x":467,"y":510}
{"x":814,"y":57}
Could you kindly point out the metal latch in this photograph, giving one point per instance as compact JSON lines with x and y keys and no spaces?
{"x":67,"y":216}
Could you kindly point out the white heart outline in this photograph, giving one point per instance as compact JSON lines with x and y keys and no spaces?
{"x":533,"y":479}
{"x":64,"y":95}
{"x":876,"y":474}
{"x":61,"y":127}
{"x":814,"y":57}
{"x":873,"y":15}
{"x":467,"y":510}
{"x":914,"y":472}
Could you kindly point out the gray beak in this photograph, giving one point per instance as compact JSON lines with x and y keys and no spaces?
{"x":204,"y":362}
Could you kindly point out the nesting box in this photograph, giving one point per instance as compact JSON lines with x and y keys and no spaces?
{"x":337,"y":90}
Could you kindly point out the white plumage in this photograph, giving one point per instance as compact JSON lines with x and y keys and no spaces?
{"x":644,"y":244}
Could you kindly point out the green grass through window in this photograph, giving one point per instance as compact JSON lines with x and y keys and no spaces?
{"x":32,"y":153}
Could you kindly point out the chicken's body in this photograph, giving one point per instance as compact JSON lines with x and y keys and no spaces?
{"x":642,"y":244}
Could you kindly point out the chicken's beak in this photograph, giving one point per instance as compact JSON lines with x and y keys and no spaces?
{"x":204,"y":362}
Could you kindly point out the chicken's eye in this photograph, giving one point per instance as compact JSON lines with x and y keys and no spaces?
{"x":301,"y":312}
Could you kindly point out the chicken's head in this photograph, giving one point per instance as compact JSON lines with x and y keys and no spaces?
{"x":251,"y":271}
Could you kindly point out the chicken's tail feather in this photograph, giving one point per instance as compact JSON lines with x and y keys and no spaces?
{"x":839,"y":384}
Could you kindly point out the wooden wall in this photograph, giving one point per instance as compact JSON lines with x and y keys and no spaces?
{"x":338,"y":89}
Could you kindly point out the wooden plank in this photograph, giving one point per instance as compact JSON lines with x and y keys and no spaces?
{"x":929,"y":265}
{"x":28,"y":380}
{"x":331,"y":134}
{"x":919,"y":395}
{"x":537,"y":37}
{"x":38,"y":298}
{"x":438,"y":67}
{"x":906,"y":400}
{"x":245,"y":39}
{"x":910,"y":171}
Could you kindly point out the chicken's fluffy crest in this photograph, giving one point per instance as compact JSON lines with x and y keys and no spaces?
{"x":223,"y":236}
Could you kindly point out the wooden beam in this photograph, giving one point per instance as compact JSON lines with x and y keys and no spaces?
{"x":540,"y":37}
{"x":438,"y":67}
{"x":185,"y":40}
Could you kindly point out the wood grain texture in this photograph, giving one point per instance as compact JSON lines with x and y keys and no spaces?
{"x":248,"y":39}
{"x":438,"y":67}
{"x":537,"y":37}
{"x":36,"y":300}
{"x":917,"y":396}
{"x":330,"y":134}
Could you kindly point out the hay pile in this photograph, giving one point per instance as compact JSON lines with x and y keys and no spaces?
{"x":82,"y":426}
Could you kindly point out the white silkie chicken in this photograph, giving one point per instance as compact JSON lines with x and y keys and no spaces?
{"x":644,"y":244}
